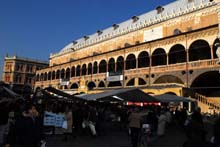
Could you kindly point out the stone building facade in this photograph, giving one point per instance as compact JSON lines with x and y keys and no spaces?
{"x":20,"y":73}
{"x":162,"y":51}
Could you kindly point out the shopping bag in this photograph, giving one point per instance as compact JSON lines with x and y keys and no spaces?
{"x":64,"y":126}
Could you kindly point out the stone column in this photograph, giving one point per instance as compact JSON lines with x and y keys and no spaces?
{"x":218,"y":12}
{"x":136,"y":81}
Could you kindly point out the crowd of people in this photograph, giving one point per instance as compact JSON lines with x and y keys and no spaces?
{"x":21,"y":123}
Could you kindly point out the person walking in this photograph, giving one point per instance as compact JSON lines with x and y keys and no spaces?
{"x":135,"y":125}
{"x":69,"y":120}
{"x":161,"y":124}
{"x":28,"y":128}
{"x":216,"y":133}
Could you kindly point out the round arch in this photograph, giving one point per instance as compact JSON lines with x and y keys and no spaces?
{"x":83,"y":69}
{"x":215,"y":46}
{"x":120,"y":64}
{"x":45,"y":76}
{"x":78,"y":70}
{"x":49,"y":75}
{"x":91,"y":85}
{"x":102,"y":66}
{"x":53,"y":75}
{"x":111,"y":65}
{"x":74,"y":86}
{"x":177,"y":54}
{"x":89,"y":68}
{"x":67,"y":73}
{"x":199,"y":50}
{"x":58,"y":74}
{"x":141,"y":81}
{"x":143,"y":59}
{"x":130,"y":62}
{"x":168,"y":79}
{"x":62,"y":74}
{"x":130,"y":82}
{"x":101,"y":84}
{"x":159,"y":57}
{"x":207,"y":83}
{"x":95,"y":67}
{"x":73,"y":71}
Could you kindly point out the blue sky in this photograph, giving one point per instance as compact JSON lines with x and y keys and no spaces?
{"x":36,"y":28}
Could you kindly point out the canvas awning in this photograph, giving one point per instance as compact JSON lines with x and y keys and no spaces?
{"x":131,"y":95}
{"x":6,"y":92}
{"x":60,"y":93}
{"x":172,"y":98}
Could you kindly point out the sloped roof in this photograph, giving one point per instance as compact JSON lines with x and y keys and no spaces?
{"x":171,"y":9}
{"x":6,"y":92}
{"x":131,"y":95}
{"x":61,"y":93}
{"x":172,"y":98}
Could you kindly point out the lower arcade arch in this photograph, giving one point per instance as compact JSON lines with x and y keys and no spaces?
{"x":141,"y":81}
{"x":91,"y":85}
{"x":130,"y":83}
{"x":101,"y":84}
{"x":74,"y":86}
{"x":207,"y":84}
{"x":168,"y":79}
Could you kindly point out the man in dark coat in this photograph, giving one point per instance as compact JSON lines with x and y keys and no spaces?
{"x":28,"y":128}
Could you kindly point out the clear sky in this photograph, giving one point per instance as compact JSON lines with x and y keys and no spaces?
{"x":36,"y":28}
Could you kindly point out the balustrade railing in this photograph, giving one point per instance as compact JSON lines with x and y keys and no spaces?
{"x":210,"y":63}
{"x":203,"y":99}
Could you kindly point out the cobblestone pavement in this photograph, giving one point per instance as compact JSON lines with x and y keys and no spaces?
{"x":174,"y":138}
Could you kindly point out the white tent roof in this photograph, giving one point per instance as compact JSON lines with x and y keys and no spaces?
{"x":96,"y":96}
{"x":130,"y":95}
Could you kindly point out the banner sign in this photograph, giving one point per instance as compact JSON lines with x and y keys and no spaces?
{"x":114,"y":78}
{"x":52,"y":119}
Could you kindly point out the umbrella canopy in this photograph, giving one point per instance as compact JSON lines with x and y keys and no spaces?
{"x":131,"y":95}
{"x":172,"y":98}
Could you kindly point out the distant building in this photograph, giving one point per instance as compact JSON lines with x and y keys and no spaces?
{"x":19,"y":73}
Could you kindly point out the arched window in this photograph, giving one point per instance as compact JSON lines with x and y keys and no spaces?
{"x":78,"y":70}
{"x":90,"y":69}
{"x":131,"y":62}
{"x":120,"y":64}
{"x":67,"y":73}
{"x":73,"y":71}
{"x":84,"y":69}
{"x":111,"y":65}
{"x":58,"y":74}
{"x":143,"y":59}
{"x":159,"y":57}
{"x":95,"y":67}
{"x":102,"y":66}
{"x":62,"y":73}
